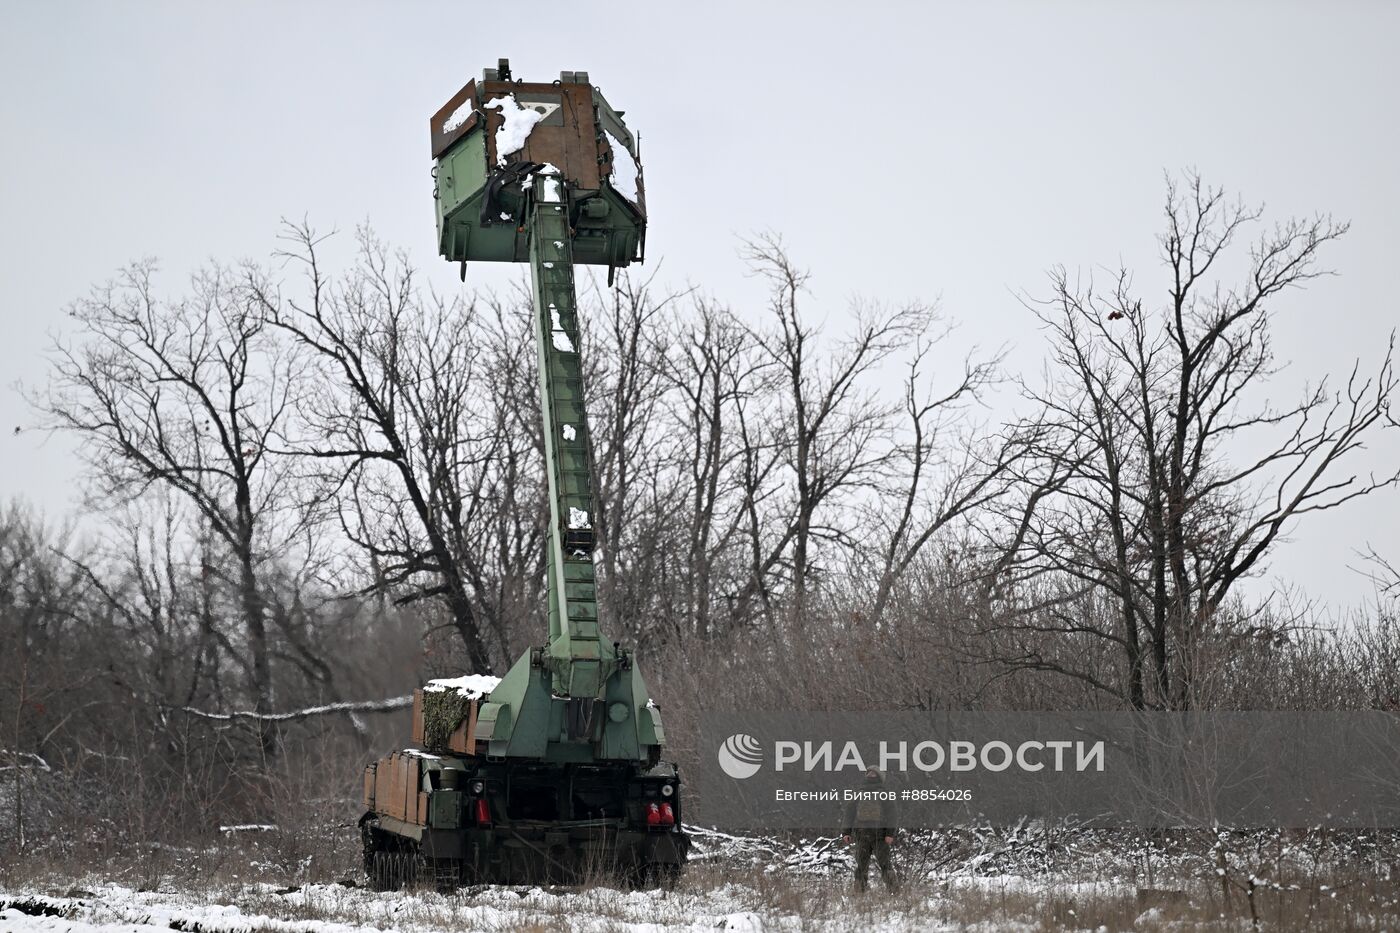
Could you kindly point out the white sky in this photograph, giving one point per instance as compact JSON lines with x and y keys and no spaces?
{"x":902,"y":149}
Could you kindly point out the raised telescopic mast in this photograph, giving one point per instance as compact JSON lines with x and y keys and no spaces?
{"x":548,"y":173}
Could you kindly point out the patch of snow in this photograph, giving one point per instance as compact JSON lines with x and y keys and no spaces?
{"x":33,"y":760}
{"x":351,"y":707}
{"x":578,"y":518}
{"x":558,"y":336}
{"x":327,"y":908}
{"x":569,"y":432}
{"x":470,"y":686}
{"x":558,"y":244}
{"x":459,"y":116}
{"x":505,"y":216}
{"x":249,"y":828}
{"x":624,"y":169}
{"x":514,"y":132}
{"x":16,"y":921}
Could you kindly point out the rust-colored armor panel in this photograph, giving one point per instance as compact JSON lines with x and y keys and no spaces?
{"x":567,"y":138}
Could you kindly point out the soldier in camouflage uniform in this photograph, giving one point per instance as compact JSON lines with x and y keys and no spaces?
{"x":870,"y":824}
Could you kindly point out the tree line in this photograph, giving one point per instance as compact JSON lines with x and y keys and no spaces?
{"x":313,"y":485}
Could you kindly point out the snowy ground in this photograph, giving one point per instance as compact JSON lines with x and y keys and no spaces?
{"x":734,"y":883}
{"x":333,"y":908}
{"x":761,"y":903}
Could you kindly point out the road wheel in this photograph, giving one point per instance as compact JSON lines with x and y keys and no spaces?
{"x":382,"y":871}
{"x":408,"y":870}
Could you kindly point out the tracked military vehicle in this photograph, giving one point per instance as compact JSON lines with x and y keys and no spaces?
{"x":554,"y":771}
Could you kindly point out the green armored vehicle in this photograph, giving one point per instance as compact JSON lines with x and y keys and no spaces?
{"x":554,"y":771}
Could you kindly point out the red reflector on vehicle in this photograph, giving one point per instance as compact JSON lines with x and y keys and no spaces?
{"x":653,"y":815}
{"x":483,"y":812}
{"x":668,"y":816}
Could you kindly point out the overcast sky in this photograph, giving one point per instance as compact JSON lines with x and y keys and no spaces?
{"x":915,"y":150}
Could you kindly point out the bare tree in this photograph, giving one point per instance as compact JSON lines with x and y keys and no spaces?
{"x":1383,"y":573}
{"x":419,"y":461}
{"x":832,"y":429}
{"x":187,"y":394}
{"x":625,"y":394}
{"x":41,"y":673}
{"x":713,"y":368}
{"x":940,"y":471}
{"x":1136,"y":486}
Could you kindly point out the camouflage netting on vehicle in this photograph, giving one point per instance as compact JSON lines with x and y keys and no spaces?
{"x":448,"y":701}
{"x":443,"y":712}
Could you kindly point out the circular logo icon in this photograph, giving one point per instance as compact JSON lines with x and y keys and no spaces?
{"x":740,"y":756}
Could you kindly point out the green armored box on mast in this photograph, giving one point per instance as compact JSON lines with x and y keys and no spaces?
{"x":556,"y":767}
{"x":495,"y":133}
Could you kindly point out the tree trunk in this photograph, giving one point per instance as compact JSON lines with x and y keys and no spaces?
{"x":256,"y":626}
{"x":21,"y":699}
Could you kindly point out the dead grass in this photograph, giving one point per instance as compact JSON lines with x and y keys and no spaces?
{"x":270,"y":883}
